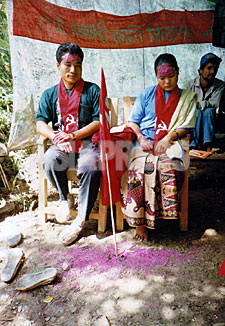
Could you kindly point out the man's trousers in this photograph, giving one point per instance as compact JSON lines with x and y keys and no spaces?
{"x":56,"y":164}
{"x":206,"y":121}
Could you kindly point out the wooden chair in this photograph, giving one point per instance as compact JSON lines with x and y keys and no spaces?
{"x":44,"y":208}
{"x":101,"y":215}
{"x":183,"y":214}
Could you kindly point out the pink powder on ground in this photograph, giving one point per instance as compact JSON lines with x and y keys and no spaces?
{"x":88,"y":260}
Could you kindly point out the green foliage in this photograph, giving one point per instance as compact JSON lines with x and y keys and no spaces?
{"x":5,"y":64}
{"x":9,"y":165}
{"x":6,"y":104}
{"x":5,"y":124}
{"x":6,"y":99}
{"x":6,"y":92}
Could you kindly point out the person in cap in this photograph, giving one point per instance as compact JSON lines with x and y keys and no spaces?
{"x":72,"y":108}
{"x":209,"y":90}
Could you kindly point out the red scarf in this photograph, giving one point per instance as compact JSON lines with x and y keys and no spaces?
{"x":69,"y":107}
{"x":164,"y":111}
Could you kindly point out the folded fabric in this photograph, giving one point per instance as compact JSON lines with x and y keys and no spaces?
{"x":175,"y":151}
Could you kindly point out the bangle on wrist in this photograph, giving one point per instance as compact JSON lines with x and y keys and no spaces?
{"x":73,"y":135}
{"x":177,"y":135}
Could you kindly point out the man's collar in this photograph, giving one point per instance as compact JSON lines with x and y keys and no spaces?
{"x":197,"y":82}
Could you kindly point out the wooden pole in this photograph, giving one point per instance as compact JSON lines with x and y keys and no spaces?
{"x":4,"y":179}
{"x":111,"y":205}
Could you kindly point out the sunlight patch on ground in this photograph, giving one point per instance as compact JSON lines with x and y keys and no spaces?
{"x":208,"y":289}
{"x":196,"y":292}
{"x":221,"y":289}
{"x":130,"y":305}
{"x":157,"y":278}
{"x":168,"y":313}
{"x":107,"y":284}
{"x":109,"y":308}
{"x":4,"y":300}
{"x":133,"y":285}
{"x":93,"y":280}
{"x":167,"y":297}
{"x":171,"y":279}
{"x":217,"y":296}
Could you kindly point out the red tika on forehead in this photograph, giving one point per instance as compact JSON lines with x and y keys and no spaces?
{"x":68,"y":57}
{"x":166,"y":70}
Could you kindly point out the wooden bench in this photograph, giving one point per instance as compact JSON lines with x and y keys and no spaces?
{"x":101,"y":215}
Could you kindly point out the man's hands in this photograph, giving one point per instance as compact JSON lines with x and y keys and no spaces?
{"x":66,"y":147}
{"x":63,"y":141}
{"x":61,"y":137}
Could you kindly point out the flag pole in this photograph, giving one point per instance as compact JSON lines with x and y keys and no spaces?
{"x":111,"y":205}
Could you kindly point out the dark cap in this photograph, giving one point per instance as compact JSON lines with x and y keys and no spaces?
{"x":209,"y":57}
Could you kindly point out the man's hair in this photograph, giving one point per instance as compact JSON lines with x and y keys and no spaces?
{"x":166,"y":58}
{"x":72,"y":48}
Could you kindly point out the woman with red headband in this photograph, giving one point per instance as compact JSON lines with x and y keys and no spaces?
{"x":162,"y":114}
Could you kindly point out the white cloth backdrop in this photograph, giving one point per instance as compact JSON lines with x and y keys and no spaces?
{"x":127,"y":72}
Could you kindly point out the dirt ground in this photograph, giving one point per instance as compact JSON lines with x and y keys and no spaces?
{"x":170,"y":280}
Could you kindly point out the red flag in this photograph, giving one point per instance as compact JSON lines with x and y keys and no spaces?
{"x":107,"y":147}
{"x":222,"y":269}
{"x":42,"y":20}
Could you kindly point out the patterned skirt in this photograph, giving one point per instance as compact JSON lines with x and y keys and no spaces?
{"x":150,"y":188}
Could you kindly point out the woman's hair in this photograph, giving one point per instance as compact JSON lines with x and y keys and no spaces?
{"x":166,"y":58}
{"x":71,"y":48}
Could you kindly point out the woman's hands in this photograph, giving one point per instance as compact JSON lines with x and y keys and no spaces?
{"x":146,"y":144}
{"x":162,"y":145}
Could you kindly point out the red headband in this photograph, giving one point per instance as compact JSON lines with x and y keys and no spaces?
{"x":68,"y":57}
{"x":165,"y":70}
